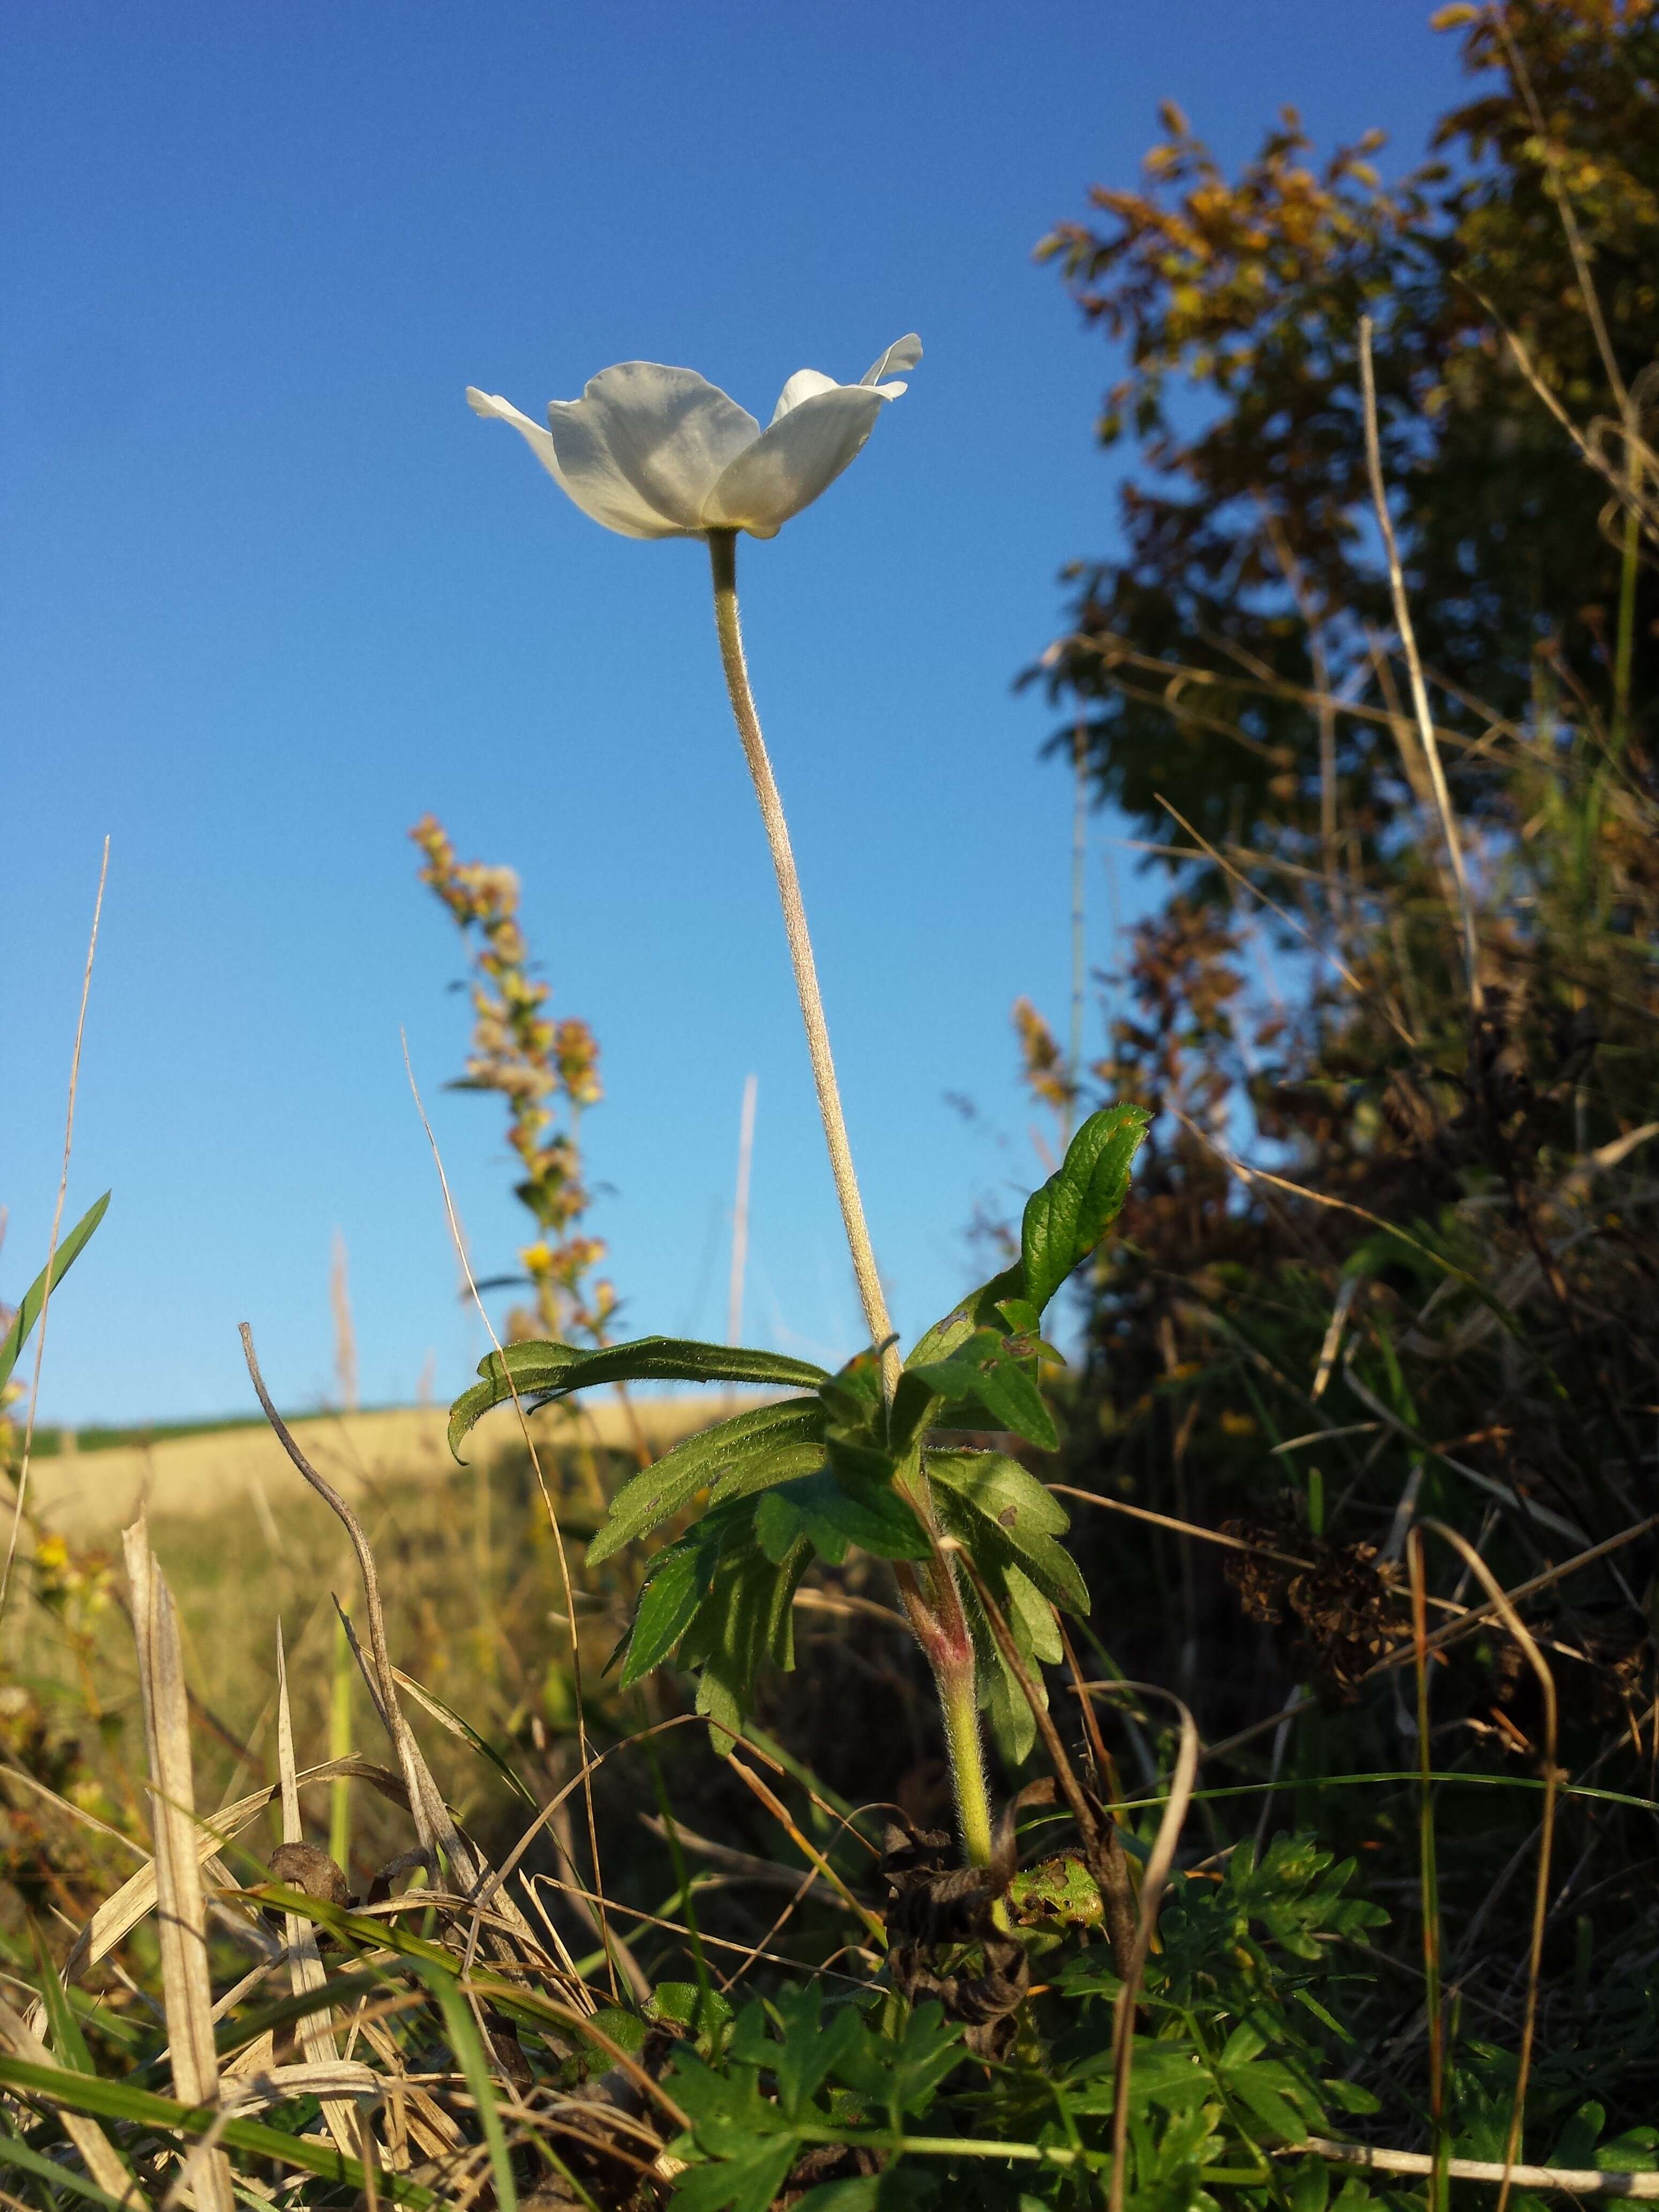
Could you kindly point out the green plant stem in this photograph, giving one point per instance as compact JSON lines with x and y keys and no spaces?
{"x":723,"y":557}
{"x":933,"y":1605}
{"x":934,"y":1611}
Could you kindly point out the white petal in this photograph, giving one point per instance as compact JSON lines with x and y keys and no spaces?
{"x":904,"y":353}
{"x":491,"y":405}
{"x":647,"y":441}
{"x":792,"y":461}
{"x":804,"y":384}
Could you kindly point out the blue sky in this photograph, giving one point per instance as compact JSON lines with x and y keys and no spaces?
{"x":268,"y":593}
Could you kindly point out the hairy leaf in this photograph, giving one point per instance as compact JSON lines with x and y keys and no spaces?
{"x":1006,"y":1517}
{"x":769,"y":1444}
{"x":834,"y":1511}
{"x":541,"y":1372}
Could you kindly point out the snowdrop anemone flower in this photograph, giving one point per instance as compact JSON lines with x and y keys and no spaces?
{"x":660,"y":452}
{"x":657,"y":452}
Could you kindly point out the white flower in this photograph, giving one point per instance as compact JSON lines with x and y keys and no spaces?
{"x":660,"y":453}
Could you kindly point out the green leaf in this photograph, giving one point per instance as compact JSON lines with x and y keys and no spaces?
{"x":981,"y":1309}
{"x":747,"y":2182}
{"x":1013,"y":1724}
{"x":994,"y":1390}
{"x":833,"y":1511}
{"x":1635,"y":2151}
{"x":1066,"y":1219}
{"x":19,"y":2156}
{"x":1262,"y":2085}
{"x":769,"y":1444}
{"x":858,"y":2192}
{"x":542,"y":1372}
{"x":746,"y":1619}
{"x":69,"y":2046}
{"x":904,"y":2070}
{"x":1031,"y":1619}
{"x":69,"y":1250}
{"x":668,"y":1605}
{"x":809,"y":2053}
{"x":1006,"y":1517}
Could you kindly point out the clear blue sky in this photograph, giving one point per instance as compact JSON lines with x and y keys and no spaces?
{"x":268,"y":592}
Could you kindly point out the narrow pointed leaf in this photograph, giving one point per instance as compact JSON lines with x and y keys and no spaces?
{"x":69,"y":1250}
{"x":541,"y":1372}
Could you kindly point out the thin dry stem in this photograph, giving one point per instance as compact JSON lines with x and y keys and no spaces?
{"x":578,"y":1699}
{"x":1535,"y":1660}
{"x":1152,"y":1888}
{"x":1402,"y":615}
{"x":51,"y":1246}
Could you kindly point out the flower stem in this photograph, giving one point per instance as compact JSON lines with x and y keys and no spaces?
{"x":932,"y":1600}
{"x":723,"y":555}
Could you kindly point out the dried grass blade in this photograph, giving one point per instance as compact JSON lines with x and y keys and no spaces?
{"x":100,"y":2156}
{"x":433,"y":1822}
{"x":305,"y":1961}
{"x":121,"y":1912}
{"x":1152,"y":1886}
{"x":186,"y":1990}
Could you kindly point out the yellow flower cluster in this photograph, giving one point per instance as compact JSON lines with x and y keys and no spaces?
{"x":547,"y":1071}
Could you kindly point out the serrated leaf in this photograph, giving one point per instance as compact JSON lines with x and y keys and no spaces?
{"x":833,"y":1512}
{"x":747,"y":2182}
{"x":745,"y":1619}
{"x":668,"y":1605}
{"x":541,"y":1372}
{"x":1007,"y":1708}
{"x":69,"y":1250}
{"x":1004,"y":1515}
{"x":768,"y":1443}
{"x":1031,"y":1619}
{"x":1066,"y":1219}
{"x":810,"y":2051}
{"x":904,"y":2070}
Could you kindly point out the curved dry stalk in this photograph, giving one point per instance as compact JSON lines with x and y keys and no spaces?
{"x":1103,"y":1846}
{"x":1152,"y":1887}
{"x":1290,"y":920}
{"x":1403,"y":616}
{"x":1536,"y":1661}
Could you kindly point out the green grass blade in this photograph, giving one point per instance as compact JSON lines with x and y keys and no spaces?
{"x":468,"y":2046}
{"x":69,"y":1250}
{"x":117,"y":2101}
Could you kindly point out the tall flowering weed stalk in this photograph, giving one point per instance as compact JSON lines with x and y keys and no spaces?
{"x":887,"y":1456}
{"x":547,"y":1071}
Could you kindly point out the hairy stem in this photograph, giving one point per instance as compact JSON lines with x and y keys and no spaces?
{"x":932,"y":1600}
{"x":723,"y":555}
{"x":933,"y":1605}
